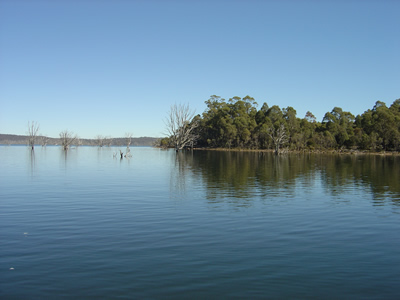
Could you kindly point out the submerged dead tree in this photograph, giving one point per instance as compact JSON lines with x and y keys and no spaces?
{"x":100,"y":140}
{"x":44,"y":140}
{"x":180,"y":126}
{"x":33,"y":131}
{"x":128,"y":136}
{"x":278,"y":137}
{"x":67,"y":139}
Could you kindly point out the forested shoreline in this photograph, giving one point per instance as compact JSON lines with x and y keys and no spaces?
{"x":239,"y":124}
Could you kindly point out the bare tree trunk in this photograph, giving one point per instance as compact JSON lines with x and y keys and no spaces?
{"x":67,"y":138}
{"x":33,"y":129}
{"x":128,"y":136}
{"x":278,"y":136}
{"x":180,"y":126}
{"x":44,"y":141}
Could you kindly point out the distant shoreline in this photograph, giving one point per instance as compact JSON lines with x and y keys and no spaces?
{"x":342,"y":152}
{"x":13,"y":139}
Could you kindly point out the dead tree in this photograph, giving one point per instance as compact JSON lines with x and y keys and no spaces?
{"x":44,"y":141}
{"x":33,"y":130}
{"x":100,"y":140}
{"x":67,"y":138}
{"x":109,"y":141}
{"x":78,"y":141}
{"x":278,"y":136}
{"x":180,"y":126}
{"x":128,"y":136}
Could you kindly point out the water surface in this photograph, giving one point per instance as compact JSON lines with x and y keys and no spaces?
{"x":203,"y":224}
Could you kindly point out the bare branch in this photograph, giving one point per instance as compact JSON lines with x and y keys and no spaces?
{"x":128,"y":136}
{"x":278,"y":136}
{"x":180,"y":126}
{"x":100,"y":140}
{"x":67,"y":138}
{"x":33,"y":130}
{"x":109,"y":141}
{"x":44,"y":140}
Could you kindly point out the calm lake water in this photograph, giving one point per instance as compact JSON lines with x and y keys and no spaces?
{"x":83,"y":224}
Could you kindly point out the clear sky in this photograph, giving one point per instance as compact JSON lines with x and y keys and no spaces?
{"x":116,"y":66}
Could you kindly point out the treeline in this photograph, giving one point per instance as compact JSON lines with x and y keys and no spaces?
{"x":237,"y":123}
{"x":12,"y":139}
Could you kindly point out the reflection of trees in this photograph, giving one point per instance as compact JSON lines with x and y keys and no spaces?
{"x":378,"y":173}
{"x":241,"y":177}
{"x":181,"y":173}
{"x":32,"y":160}
{"x":336,"y":173}
{"x":68,"y":157}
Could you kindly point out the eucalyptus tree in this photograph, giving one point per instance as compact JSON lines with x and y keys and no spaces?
{"x":237,"y":123}
{"x":260,"y":115}
{"x":305,"y":137}
{"x":395,"y":107}
{"x":395,"y":110}
{"x":340,"y":125}
{"x":33,"y":131}
{"x":218,"y":129}
{"x":289,"y":114}
{"x":181,"y":126}
{"x":310,"y":117}
{"x":243,"y":113}
{"x":385,"y":123}
{"x":379,"y":128}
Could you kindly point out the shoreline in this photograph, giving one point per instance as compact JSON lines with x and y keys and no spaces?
{"x":285,"y":151}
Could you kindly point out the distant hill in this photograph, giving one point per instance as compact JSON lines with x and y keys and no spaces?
{"x":12,"y":139}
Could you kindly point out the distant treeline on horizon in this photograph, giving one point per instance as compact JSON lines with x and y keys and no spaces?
{"x":12,"y":139}
{"x":237,"y":123}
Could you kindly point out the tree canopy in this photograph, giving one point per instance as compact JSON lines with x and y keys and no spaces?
{"x":238,"y":123}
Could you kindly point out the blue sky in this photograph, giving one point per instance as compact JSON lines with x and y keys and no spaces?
{"x":111,"y":67}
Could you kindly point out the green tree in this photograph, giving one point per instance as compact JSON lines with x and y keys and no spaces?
{"x":292,"y":124}
{"x":238,"y":123}
{"x":243,"y":114}
{"x":384,"y":124}
{"x":261,"y":114}
{"x":275,"y":115}
{"x":310,"y":117}
{"x":340,"y":125}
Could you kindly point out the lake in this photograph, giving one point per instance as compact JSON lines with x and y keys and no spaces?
{"x":85,"y":224}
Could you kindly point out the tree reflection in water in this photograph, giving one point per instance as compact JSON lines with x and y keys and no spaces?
{"x":241,"y":177}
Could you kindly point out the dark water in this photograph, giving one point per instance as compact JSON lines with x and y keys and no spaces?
{"x":203,"y":225}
